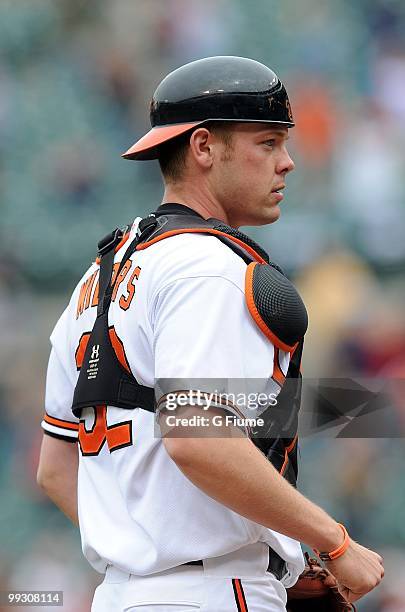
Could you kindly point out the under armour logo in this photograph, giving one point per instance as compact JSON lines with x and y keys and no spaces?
{"x":95,"y":351}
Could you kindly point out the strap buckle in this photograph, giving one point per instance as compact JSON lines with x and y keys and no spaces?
{"x":110,"y":241}
{"x":147,"y":223}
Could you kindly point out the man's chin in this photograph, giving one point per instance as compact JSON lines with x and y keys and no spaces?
{"x":270,"y":215}
{"x":275,"y":213}
{"x":264,"y":217}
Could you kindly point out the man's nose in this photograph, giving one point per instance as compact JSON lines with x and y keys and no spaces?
{"x":286,"y":164}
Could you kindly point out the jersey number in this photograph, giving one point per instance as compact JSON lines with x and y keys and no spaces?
{"x":117,"y":436}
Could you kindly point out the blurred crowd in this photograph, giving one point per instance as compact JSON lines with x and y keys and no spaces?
{"x":75,"y":81}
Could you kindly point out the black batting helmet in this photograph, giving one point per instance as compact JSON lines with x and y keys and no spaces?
{"x":223,"y":88}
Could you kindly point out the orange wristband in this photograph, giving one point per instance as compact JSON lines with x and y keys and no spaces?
{"x":338,"y":552}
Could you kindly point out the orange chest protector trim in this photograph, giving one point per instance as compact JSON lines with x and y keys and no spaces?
{"x":272,"y":300}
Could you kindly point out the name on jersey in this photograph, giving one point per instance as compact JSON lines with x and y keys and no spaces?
{"x":124,"y":287}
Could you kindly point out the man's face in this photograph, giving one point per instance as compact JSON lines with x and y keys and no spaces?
{"x":247,"y":175}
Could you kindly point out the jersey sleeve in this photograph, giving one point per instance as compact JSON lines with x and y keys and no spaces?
{"x":59,"y":420}
{"x":206,"y":338}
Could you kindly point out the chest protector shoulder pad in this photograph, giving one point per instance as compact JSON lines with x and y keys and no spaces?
{"x":275,"y":305}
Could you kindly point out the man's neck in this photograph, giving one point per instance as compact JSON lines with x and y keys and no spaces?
{"x":203,"y":203}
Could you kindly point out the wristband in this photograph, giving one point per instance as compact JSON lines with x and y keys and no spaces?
{"x":338,"y":552}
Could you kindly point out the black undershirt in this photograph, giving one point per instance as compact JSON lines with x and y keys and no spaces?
{"x":173,"y":207}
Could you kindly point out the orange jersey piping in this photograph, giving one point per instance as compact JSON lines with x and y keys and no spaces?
{"x":61,"y":423}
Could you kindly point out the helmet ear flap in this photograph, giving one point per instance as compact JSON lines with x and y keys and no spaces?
{"x":222,"y":88}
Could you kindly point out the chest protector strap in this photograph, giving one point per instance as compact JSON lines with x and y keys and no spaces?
{"x":102,"y":379}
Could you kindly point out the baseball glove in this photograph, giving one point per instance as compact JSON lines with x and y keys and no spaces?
{"x":316,"y":591}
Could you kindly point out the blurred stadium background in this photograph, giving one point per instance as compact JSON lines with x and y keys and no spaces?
{"x":75,"y":82}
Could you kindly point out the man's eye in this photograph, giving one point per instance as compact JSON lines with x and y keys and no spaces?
{"x":270,"y":143}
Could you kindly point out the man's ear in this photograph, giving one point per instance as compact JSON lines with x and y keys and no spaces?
{"x":201,"y":147}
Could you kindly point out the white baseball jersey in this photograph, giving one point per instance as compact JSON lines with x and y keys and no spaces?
{"x":178,"y":311}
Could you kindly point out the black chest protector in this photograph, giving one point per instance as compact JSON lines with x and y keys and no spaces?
{"x":272,"y":300}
